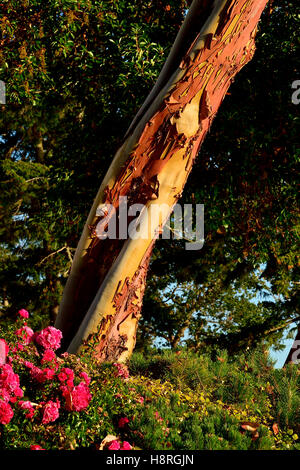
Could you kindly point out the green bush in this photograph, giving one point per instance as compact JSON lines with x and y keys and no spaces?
{"x":166,"y":400}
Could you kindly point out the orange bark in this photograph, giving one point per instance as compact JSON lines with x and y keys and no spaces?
{"x":153,"y":164}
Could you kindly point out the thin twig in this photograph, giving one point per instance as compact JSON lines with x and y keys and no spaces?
{"x":36,"y":178}
{"x":57,"y":251}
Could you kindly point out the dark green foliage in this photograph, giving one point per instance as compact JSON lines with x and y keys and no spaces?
{"x":248,"y":380}
{"x":75,"y":74}
{"x":246,"y":175}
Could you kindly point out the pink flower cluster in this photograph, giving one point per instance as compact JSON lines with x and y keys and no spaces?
{"x":66,"y":376}
{"x":41,"y":375}
{"x":26,"y":334}
{"x":26,"y":405}
{"x":158,"y":417}
{"x":6,"y":412}
{"x":50,"y":411}
{"x":49,"y":338}
{"x":115,"y":445}
{"x":122,"y":370}
{"x":9,"y":384}
{"x":29,"y":407}
{"x":48,"y":356}
{"x":10,"y":391}
{"x":76,"y":397}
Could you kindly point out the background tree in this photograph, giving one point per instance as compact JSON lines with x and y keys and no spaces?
{"x":64,"y":112}
{"x":58,"y":60}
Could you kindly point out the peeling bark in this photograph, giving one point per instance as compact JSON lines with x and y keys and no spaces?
{"x":103,"y":296}
{"x":294,"y":353}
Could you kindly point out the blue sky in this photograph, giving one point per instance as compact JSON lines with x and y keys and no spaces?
{"x":280,"y":356}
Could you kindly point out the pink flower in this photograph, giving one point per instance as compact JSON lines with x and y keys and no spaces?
{"x":27,"y":405}
{"x":48,"y":373}
{"x":28,"y":364}
{"x":23,"y":313}
{"x":114,"y":446}
{"x":10,"y":381}
{"x":4,"y":395}
{"x":158,"y":417}
{"x":141,"y":400}
{"x":26,"y":334}
{"x":126,"y":446}
{"x":49,"y":338}
{"x":51,"y":413}
{"x":48,"y":356}
{"x":3,"y":351}
{"x":66,"y":375}
{"x":123,"y":422}
{"x":122,"y":370}
{"x":18,"y":394}
{"x":36,"y":447}
{"x":6,"y":412}
{"x":42,"y":375}
{"x":37,"y":374}
{"x":78,"y":398}
{"x":85,"y":377}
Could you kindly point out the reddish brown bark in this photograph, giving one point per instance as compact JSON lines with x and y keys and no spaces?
{"x":294,"y":353}
{"x":153,"y":164}
{"x":128,"y":303}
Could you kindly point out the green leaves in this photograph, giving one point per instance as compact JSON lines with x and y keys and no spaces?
{"x":76,"y":73}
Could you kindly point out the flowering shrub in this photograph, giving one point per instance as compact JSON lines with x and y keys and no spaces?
{"x":49,"y":386}
{"x":66,"y":402}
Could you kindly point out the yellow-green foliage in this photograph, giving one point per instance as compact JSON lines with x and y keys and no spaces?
{"x":179,"y":401}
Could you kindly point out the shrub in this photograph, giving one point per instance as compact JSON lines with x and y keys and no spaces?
{"x":170,"y":400}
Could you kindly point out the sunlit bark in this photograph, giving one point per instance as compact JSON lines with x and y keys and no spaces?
{"x":294,"y":354}
{"x":103,"y":297}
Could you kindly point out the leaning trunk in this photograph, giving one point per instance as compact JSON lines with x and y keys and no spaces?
{"x":293,"y":356}
{"x":103,"y":297}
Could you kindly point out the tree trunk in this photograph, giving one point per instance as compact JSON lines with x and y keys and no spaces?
{"x":102,"y":299}
{"x":294,"y":354}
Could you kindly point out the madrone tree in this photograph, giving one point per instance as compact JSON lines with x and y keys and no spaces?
{"x":103,"y":296}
